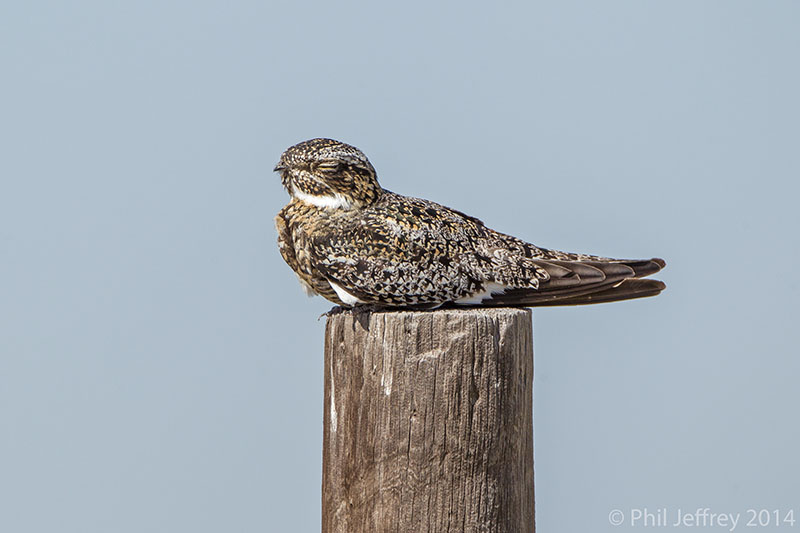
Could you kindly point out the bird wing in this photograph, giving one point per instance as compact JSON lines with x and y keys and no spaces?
{"x":398,"y":253}
{"x":411,"y":252}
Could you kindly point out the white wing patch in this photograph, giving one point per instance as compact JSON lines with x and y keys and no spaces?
{"x":344,"y":296}
{"x":489,"y":289}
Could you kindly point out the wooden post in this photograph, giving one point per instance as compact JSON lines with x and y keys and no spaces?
{"x":428,"y":423}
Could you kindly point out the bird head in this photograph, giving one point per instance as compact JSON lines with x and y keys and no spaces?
{"x":328,"y":174}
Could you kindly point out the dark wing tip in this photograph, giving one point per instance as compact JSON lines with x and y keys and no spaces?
{"x":644,"y":267}
{"x":649,"y":286}
{"x":629,"y":289}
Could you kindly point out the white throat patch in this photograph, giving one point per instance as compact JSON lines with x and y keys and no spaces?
{"x":326,"y":201}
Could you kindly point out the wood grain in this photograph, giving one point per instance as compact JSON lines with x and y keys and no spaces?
{"x":428,"y":422}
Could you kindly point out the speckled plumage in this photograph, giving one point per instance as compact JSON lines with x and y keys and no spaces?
{"x":353,"y":242}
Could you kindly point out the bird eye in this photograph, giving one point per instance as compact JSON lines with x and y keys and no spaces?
{"x":328,"y":166}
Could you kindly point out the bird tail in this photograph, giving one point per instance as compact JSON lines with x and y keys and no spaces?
{"x":586,"y":282}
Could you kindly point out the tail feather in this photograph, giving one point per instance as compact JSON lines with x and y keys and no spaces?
{"x":624,"y":290}
{"x":627,"y":290}
{"x":585,"y":282}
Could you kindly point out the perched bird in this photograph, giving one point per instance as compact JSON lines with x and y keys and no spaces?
{"x":356,"y":243}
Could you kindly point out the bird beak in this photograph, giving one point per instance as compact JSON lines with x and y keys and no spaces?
{"x":279,"y":168}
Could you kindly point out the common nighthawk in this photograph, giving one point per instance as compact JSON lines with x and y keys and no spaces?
{"x":355,"y":243}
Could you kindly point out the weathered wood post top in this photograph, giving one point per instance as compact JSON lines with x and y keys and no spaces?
{"x":428,"y":422}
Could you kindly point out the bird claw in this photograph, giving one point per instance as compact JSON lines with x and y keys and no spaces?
{"x":359,"y":309}
{"x":333,"y":311}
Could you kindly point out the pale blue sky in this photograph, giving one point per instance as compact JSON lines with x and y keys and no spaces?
{"x":160,"y":368}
